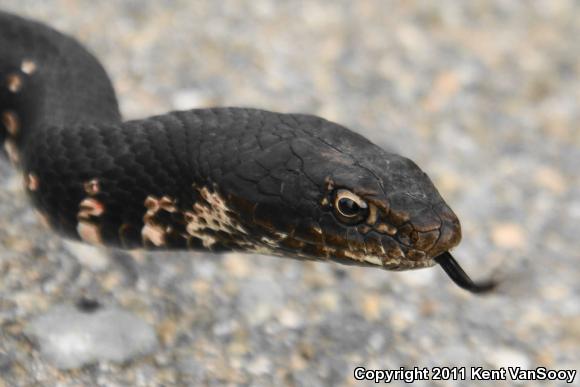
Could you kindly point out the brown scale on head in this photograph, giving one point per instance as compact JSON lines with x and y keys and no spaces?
{"x":384,"y":235}
{"x":363,"y":226}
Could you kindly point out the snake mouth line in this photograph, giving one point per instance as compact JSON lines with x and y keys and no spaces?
{"x":460,"y":277}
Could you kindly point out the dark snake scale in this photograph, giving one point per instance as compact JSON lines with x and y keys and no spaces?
{"x":220,"y":179}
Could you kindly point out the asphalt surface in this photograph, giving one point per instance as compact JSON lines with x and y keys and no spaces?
{"x":483,"y":95}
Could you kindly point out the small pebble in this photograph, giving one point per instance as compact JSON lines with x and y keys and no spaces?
{"x":189,"y":99}
{"x":508,"y":357}
{"x":71,"y":337}
{"x":371,"y":306}
{"x":551,"y":179}
{"x":237,"y":265}
{"x":417,"y":278}
{"x":90,"y":256}
{"x":259,"y":299}
{"x":508,"y":236}
{"x":260,"y":366}
{"x":290,"y":319}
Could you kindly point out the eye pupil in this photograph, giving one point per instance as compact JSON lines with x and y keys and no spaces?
{"x":348,"y":207}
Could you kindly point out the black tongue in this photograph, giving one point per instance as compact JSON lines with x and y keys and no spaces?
{"x":456,"y":273}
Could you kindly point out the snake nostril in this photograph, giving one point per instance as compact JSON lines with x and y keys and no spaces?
{"x":414,"y":237}
{"x":450,"y":232}
{"x":427,"y":240}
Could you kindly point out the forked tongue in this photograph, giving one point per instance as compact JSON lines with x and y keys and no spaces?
{"x":456,"y":273}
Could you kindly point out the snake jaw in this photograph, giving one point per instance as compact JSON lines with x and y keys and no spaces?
{"x":460,"y":277}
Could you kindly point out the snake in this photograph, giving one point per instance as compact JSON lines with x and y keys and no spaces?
{"x":213,"y":179}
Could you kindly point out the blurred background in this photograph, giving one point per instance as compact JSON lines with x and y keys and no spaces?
{"x":483,"y":95}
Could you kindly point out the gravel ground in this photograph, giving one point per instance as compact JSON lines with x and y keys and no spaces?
{"x":483,"y":95}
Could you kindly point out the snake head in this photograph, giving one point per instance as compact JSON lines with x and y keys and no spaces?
{"x":319,"y":191}
{"x":392,"y":213}
{"x":327,"y":193}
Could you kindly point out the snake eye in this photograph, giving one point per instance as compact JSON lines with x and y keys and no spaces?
{"x":349,"y":207}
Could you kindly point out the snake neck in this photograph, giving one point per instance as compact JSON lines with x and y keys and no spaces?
{"x":47,"y":80}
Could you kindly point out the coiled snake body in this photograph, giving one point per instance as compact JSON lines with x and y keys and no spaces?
{"x":218,"y":179}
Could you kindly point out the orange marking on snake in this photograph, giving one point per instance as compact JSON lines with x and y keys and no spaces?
{"x":11,"y":123}
{"x":14,"y":83}
{"x":90,"y":207}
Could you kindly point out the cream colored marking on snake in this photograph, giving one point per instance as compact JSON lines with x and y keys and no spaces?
{"x":373,"y":259}
{"x":152,"y":204}
{"x":12,"y":151}
{"x":92,"y":187}
{"x":213,"y":215}
{"x":28,"y":66}
{"x":168,"y":204}
{"x":195,"y":226}
{"x":154,"y":234}
{"x":14,"y":83}
{"x":89,"y":232}
{"x":373,"y":214}
{"x":270,"y":242}
{"x":385,"y":228}
{"x":219,"y":214}
{"x":274,"y":241}
{"x":210,"y":214}
{"x":316,"y":229}
{"x":89,"y":208}
{"x":261,"y":249}
{"x":396,"y":253}
{"x":151,"y":231}
{"x":31,"y":182}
